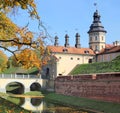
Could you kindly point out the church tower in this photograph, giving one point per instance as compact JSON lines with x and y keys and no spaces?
{"x":96,"y":34}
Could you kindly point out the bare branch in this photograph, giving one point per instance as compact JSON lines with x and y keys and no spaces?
{"x":9,"y":51}
{"x":17,"y":42}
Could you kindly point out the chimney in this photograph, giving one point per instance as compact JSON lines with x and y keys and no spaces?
{"x":66,"y":41}
{"x":116,"y":43}
{"x":56,"y":41}
{"x":77,"y":45}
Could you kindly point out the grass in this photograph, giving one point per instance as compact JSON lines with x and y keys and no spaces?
{"x":84,"y":103}
{"x":34,"y":93}
{"x":27,"y":71}
{"x":98,"y":67}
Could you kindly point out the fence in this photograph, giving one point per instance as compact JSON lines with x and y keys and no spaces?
{"x":19,"y":76}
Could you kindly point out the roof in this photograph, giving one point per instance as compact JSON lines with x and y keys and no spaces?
{"x":71,"y":50}
{"x":110,"y":49}
{"x":96,"y":26}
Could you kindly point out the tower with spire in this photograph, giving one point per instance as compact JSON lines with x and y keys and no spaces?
{"x":96,"y":34}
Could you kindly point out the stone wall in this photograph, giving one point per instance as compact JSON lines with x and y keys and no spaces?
{"x":104,"y":87}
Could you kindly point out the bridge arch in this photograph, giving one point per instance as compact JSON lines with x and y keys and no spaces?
{"x":15,"y":87}
{"x":35,"y":86}
{"x":26,"y":81}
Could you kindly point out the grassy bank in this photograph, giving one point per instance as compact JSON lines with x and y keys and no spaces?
{"x":81,"y":103}
{"x":98,"y":67}
{"x":106,"y":107}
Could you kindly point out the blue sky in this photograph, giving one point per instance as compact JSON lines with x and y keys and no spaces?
{"x":71,"y":16}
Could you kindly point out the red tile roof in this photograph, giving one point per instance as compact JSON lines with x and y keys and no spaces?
{"x":109,"y":45}
{"x":111,"y":49}
{"x":71,"y":50}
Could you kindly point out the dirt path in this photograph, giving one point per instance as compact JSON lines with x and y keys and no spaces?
{"x":27,"y":96}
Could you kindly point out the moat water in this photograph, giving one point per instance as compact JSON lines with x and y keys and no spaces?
{"x":39,"y":105}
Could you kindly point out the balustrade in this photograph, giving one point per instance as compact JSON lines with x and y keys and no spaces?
{"x":19,"y":76}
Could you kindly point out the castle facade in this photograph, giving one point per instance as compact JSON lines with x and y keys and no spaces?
{"x":65,"y":58}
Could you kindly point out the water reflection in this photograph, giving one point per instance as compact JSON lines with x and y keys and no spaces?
{"x":39,"y":105}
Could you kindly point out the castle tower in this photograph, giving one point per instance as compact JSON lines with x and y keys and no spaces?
{"x":66,"y":41}
{"x":56,"y":41}
{"x":77,"y":45}
{"x":96,"y":34}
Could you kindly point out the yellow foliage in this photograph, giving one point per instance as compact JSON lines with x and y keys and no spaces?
{"x":28,"y":58}
{"x":7,"y":28}
{"x":3,"y":61}
{"x":21,"y":38}
{"x":24,"y":4}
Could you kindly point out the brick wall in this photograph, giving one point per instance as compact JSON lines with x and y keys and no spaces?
{"x":100,"y":86}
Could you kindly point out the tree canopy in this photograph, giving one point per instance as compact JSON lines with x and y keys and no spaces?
{"x":27,"y":49}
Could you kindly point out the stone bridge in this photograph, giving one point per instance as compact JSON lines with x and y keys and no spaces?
{"x":27,"y":82}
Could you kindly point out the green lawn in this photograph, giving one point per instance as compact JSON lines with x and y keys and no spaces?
{"x":99,"y":67}
{"x":84,"y":103}
{"x":81,"y":103}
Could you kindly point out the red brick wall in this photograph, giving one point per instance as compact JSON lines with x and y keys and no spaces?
{"x":101,"y":86}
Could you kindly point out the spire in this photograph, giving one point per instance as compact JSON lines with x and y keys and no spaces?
{"x":77,"y":45}
{"x":56,"y":41}
{"x":66,"y":40}
{"x":96,"y":26}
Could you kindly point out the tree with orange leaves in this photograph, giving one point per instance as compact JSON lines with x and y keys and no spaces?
{"x":22,"y":41}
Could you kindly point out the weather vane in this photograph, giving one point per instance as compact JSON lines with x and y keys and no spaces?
{"x":95,"y":4}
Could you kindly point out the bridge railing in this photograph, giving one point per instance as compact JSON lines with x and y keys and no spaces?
{"x":19,"y":76}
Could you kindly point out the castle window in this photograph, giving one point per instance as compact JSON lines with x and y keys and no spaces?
{"x":86,"y":52}
{"x":65,"y":50}
{"x":90,"y":38}
{"x":78,"y":58}
{"x":102,"y":38}
{"x":95,"y":37}
{"x":96,"y":47}
{"x":59,"y":57}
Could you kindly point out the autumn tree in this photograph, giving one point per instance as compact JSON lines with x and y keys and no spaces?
{"x":23,"y":42}
{"x":3,"y":61}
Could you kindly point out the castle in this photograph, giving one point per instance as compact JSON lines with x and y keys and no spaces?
{"x":65,"y":58}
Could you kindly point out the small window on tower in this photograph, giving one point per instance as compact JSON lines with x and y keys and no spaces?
{"x":96,"y":47}
{"x":102,"y":38}
{"x":90,"y":38}
{"x":95,"y":37}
